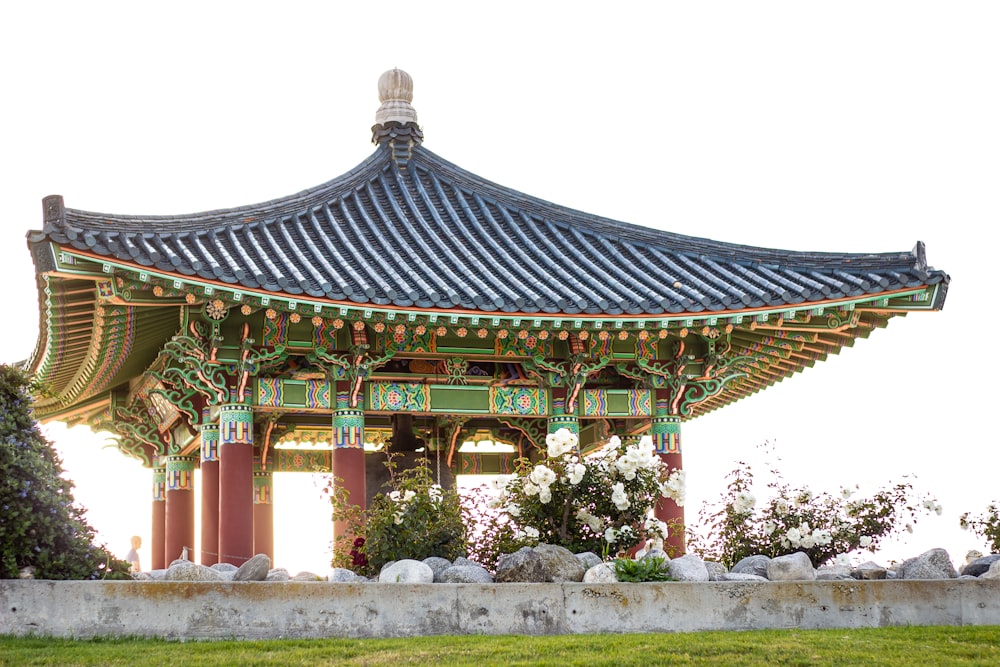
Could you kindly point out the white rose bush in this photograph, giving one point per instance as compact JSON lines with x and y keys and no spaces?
{"x":601,"y":502}
{"x":826,"y":527}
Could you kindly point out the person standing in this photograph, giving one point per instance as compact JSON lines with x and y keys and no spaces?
{"x":133,"y":555}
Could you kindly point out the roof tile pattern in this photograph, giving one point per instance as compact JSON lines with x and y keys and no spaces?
{"x":424,"y":233}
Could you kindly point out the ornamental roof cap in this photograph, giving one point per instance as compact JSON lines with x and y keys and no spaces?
{"x":395,"y":92}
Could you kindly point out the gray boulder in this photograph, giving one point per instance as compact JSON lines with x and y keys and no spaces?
{"x":465,"y":574}
{"x":869,"y":571}
{"x":588,"y":559}
{"x":656,"y":553}
{"x":687,"y":568}
{"x":437,"y":565}
{"x":255,"y":569}
{"x":791,"y":567}
{"x":185,"y":570}
{"x":933,"y":564}
{"x":993,"y":572}
{"x":740,"y":576}
{"x":752,"y":565}
{"x":278,"y":574}
{"x":715,"y":570}
{"x":224,"y":567}
{"x":462,"y":560}
{"x":342,"y":575}
{"x":307,"y":576}
{"x":980,"y":566}
{"x":406,"y":571}
{"x":602,"y":573}
{"x":560,"y":564}
{"x":524,"y":565}
{"x":833,"y":573}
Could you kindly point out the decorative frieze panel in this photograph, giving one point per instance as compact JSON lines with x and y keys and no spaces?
{"x":398,"y":397}
{"x":278,"y":393}
{"x":617,"y":403}
{"x":527,"y":401}
{"x":302,"y":460}
{"x":487,"y":464}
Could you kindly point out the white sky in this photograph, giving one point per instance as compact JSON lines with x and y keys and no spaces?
{"x":849,"y":126}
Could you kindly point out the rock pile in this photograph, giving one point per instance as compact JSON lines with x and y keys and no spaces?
{"x":548,"y":563}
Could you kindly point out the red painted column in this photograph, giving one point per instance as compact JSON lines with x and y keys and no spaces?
{"x":349,"y":455}
{"x":235,"y":484}
{"x":179,"y":523}
{"x":263,"y":514}
{"x":666,"y":432}
{"x":157,"y":548}
{"x":209,"y":494}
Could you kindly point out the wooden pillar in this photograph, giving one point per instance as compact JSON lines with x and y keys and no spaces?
{"x":263,"y":513}
{"x":157,"y":549}
{"x":209,"y":494}
{"x":349,"y":456}
{"x":179,"y":524}
{"x":666,"y":432}
{"x":235,"y":484}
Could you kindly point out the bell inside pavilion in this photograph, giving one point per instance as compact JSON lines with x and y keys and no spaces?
{"x":315,"y":331}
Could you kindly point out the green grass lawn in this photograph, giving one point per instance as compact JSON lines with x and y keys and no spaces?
{"x":975,"y":645}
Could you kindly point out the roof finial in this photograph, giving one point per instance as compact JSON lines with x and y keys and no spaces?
{"x":396,"y":119}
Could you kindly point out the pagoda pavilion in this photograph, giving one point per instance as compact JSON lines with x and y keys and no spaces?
{"x":411,"y":304}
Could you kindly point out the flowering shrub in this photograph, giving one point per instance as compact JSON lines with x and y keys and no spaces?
{"x":417,"y":519}
{"x":821,"y":525}
{"x":986,"y":526}
{"x":41,"y":528}
{"x":598,"y":503}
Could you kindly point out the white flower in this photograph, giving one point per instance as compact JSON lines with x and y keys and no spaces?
{"x":626,"y":466}
{"x":531,"y":532}
{"x":781,"y":506}
{"x":822,"y":537}
{"x":614,"y":441}
{"x":770,"y":527}
{"x":560,"y":442}
{"x":618,"y":496}
{"x":395,"y":497}
{"x":909,"y":527}
{"x":435,"y":492}
{"x":865,"y":541}
{"x":408,"y":495}
{"x":529,"y":488}
{"x":793,"y":536}
{"x":494,"y":503}
{"x":513,"y":509}
{"x":544,"y":495}
{"x":610,"y":535}
{"x":807,"y":541}
{"x":397,"y":518}
{"x":743,"y":502}
{"x":938,"y":509}
{"x":542,"y":475}
{"x":842,"y":560}
{"x":577,"y":470}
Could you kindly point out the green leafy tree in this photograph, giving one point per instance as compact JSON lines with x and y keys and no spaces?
{"x":40,"y":525}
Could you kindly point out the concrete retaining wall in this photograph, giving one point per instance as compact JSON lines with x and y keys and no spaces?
{"x":253,"y":610}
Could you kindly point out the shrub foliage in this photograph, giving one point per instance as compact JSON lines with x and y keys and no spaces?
{"x":41,"y":527}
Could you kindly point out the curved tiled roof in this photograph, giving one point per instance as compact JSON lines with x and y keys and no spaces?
{"x":418,"y":231}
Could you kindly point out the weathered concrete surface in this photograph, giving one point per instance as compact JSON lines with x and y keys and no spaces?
{"x":261,"y":610}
